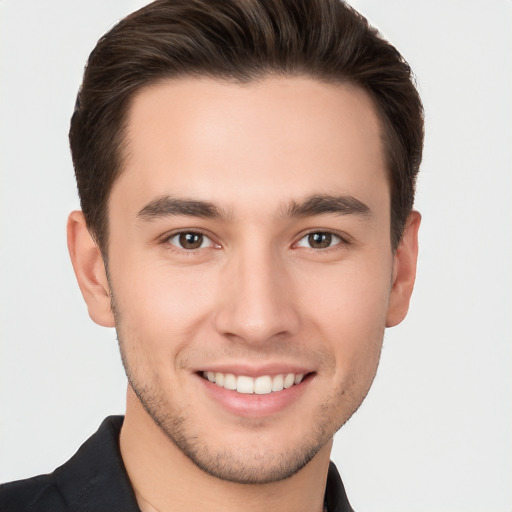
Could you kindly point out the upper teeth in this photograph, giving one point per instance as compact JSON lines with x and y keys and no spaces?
{"x":259,"y":385}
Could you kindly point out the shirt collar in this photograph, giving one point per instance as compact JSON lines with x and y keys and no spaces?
{"x":95,"y":478}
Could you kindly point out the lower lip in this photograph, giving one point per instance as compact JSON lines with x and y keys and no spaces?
{"x":252,"y":405}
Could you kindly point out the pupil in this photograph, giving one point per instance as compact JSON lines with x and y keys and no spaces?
{"x":320,"y":240}
{"x":191,"y":240}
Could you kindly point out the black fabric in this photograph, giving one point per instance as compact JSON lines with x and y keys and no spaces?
{"x":335,"y":496}
{"x":95,"y":480}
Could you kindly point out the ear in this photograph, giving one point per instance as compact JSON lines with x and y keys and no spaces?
{"x":89,"y":270}
{"x":404,"y":271}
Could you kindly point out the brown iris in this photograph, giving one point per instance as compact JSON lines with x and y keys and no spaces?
{"x":191,"y":240}
{"x":320,"y":240}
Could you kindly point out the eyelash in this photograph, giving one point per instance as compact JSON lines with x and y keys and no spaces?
{"x":167,"y":240}
{"x":339,"y":241}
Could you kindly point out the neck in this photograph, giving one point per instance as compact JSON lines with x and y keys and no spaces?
{"x":164,"y":479}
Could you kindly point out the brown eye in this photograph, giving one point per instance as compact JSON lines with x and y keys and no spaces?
{"x":189,"y":240}
{"x":319,"y":240}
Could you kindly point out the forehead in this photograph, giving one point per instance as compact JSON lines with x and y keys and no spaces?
{"x":277,"y":138}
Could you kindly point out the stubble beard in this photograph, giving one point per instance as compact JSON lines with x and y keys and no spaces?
{"x":254,"y":465}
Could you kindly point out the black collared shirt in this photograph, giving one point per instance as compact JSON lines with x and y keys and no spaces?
{"x":95,"y":480}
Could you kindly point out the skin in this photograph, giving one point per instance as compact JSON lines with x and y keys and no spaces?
{"x":256,"y":295}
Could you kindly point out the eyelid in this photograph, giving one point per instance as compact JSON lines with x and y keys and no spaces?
{"x":344,"y":239}
{"x":165,"y":239}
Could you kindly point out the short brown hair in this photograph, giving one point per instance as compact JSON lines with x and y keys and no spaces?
{"x":239,"y":40}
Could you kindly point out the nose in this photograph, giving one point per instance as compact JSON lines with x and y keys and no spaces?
{"x":257,"y":301}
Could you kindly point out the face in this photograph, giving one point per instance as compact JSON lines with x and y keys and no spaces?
{"x":251,"y":267}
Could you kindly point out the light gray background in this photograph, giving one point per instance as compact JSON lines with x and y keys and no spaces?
{"x":435,"y":433}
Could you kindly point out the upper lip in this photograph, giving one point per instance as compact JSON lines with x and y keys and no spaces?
{"x":256,"y":371}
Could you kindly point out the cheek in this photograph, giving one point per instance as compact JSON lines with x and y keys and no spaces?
{"x":347,"y":310}
{"x":160,"y":305}
{"x":351,"y":294}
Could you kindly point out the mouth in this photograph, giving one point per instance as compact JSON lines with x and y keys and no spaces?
{"x":261,"y":385}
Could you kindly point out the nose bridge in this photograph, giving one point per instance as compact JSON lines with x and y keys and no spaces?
{"x":257,"y":301}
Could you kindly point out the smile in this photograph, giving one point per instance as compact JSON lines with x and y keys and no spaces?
{"x":262,"y":385}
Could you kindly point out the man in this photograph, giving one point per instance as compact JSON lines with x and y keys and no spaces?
{"x":246,"y":171}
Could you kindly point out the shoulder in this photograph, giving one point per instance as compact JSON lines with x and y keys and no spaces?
{"x":37,"y":494}
{"x":94,"y":479}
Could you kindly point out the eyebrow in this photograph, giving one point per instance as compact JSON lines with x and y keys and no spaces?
{"x":325,"y":204}
{"x":168,"y":206}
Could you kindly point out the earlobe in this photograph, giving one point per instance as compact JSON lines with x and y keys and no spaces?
{"x":404,"y":271}
{"x":89,"y":270}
